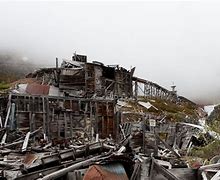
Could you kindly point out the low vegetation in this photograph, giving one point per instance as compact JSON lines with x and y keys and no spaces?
{"x":174,"y":111}
{"x":4,"y":86}
{"x":208,"y":151}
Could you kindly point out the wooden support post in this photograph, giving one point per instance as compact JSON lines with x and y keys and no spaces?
{"x":136,"y":89}
{"x":44,"y":118}
{"x":71,"y":125}
{"x":31,"y":123}
{"x":65,"y":125}
{"x":91,"y":118}
{"x":47,"y":113}
{"x":108,"y":122}
{"x":58,"y":130}
{"x":151,"y":91}
{"x":103,"y":126}
{"x":38,"y":104}
{"x":96,"y":118}
{"x":143,"y":130}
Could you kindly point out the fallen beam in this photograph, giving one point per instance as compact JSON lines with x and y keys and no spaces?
{"x":64,"y":171}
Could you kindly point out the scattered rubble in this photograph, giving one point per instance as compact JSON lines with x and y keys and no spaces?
{"x":90,"y":121}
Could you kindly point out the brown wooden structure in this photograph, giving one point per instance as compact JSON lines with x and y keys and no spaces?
{"x":61,"y":117}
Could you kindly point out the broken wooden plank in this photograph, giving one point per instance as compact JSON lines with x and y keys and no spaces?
{"x":25,"y":143}
{"x":64,"y":171}
{"x":168,"y":146}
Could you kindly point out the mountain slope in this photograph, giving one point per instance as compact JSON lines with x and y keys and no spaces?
{"x":12,"y":68}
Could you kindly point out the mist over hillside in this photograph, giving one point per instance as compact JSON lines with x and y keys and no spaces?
{"x":14,"y":66}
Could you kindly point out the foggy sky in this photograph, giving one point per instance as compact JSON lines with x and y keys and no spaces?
{"x":166,"y":41}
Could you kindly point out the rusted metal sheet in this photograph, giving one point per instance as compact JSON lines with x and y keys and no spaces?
{"x":30,"y":158}
{"x":37,"y":89}
{"x":106,"y":172}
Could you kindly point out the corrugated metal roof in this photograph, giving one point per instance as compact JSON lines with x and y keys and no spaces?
{"x":37,"y":89}
{"x":113,"y":171}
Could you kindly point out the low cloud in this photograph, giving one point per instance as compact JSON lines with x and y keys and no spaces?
{"x":166,"y":41}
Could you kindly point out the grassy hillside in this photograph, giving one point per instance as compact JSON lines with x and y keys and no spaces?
{"x":176,"y":112}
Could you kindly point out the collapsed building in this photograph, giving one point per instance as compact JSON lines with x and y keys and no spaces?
{"x":78,"y":96}
{"x":82,"y":79}
{"x":83,"y":108}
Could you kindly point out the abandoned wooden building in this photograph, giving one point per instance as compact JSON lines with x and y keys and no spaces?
{"x":82,"y":79}
{"x":76,"y":99}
